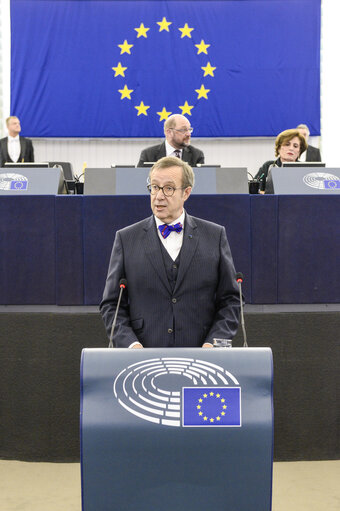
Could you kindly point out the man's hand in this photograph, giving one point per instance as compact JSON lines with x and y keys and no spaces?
{"x":138,"y":345}
{"x":207,"y":345}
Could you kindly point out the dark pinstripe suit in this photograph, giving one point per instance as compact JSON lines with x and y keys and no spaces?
{"x":205,"y":301}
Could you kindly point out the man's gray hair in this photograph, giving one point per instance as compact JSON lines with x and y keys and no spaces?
{"x":188,"y":176}
{"x":303,"y":127}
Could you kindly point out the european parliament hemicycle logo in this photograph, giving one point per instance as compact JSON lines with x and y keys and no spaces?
{"x":10,"y":181}
{"x":180,"y":392}
{"x":322,"y":181}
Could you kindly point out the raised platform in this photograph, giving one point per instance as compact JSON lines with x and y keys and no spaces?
{"x":39,"y":378}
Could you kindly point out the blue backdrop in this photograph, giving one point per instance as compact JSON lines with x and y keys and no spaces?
{"x":87,"y":68}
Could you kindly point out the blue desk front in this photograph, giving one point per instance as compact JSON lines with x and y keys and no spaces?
{"x":56,"y":250}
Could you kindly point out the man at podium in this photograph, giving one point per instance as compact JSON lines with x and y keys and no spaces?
{"x":181,"y":287}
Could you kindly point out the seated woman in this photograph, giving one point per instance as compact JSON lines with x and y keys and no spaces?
{"x":289,"y":145}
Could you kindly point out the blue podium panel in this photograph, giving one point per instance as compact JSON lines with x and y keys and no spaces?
{"x":308,"y":249}
{"x":28,"y":250}
{"x":69,"y":250}
{"x":184,"y":429}
{"x":233,"y":212}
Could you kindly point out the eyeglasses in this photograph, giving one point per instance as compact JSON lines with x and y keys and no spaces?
{"x":167,"y":190}
{"x":184,"y":130}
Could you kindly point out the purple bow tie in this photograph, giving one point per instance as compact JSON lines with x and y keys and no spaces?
{"x":166,"y":229}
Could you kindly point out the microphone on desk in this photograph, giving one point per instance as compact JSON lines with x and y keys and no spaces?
{"x":122,"y":285}
{"x":239,"y":280}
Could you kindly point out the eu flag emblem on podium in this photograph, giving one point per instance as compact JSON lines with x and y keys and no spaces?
{"x":212,"y":406}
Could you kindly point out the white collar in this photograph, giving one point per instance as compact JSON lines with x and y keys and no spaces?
{"x":169,"y":149}
{"x":179,"y":219}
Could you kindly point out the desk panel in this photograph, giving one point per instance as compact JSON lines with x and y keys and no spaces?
{"x":28,"y":250}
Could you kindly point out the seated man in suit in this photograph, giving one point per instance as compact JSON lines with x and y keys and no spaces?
{"x":15,"y":148}
{"x":312,"y":153}
{"x":181,"y":285}
{"x":177,"y":132}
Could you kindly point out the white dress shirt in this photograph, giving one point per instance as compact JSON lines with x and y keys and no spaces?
{"x":173,"y":243}
{"x":170,"y":151}
{"x":13,"y":147}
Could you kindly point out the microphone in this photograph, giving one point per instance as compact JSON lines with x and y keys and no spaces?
{"x":122,"y":285}
{"x":239,"y":280}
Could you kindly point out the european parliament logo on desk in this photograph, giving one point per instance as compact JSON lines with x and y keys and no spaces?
{"x":157,"y":390}
{"x":11,"y":181}
{"x":322,"y":180}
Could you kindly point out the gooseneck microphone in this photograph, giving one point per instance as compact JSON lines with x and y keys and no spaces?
{"x":122,"y":285}
{"x":239,"y":280}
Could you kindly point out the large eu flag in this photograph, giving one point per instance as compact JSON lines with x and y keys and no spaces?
{"x":105,"y":68}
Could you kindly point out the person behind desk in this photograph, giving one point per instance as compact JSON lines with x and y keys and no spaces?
{"x":312,"y":153}
{"x":177,"y":130}
{"x":15,"y":148}
{"x":181,"y":285}
{"x":289,"y":144}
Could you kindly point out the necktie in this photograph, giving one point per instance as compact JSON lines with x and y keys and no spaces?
{"x":166,"y":229}
{"x":178,"y":153}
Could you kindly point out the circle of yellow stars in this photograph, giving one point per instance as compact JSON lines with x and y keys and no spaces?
{"x":200,"y":408}
{"x":142,"y":31}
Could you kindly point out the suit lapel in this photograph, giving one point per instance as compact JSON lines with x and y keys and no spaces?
{"x":153,"y":251}
{"x":186,"y":154}
{"x":190,"y":242}
{"x":161,"y":152}
{"x":22,"y":149}
{"x":4,"y":150}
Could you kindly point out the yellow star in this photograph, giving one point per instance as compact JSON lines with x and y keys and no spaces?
{"x":208,"y":70}
{"x":211,"y":393}
{"x":205,"y":395}
{"x":218,"y":418}
{"x":224,"y":407}
{"x":163,"y":115}
{"x":202,"y":93}
{"x":202,"y":47}
{"x":141,"y":31}
{"x":205,"y":418}
{"x":217,"y":395}
{"x":125,"y":47}
{"x":125,"y":93}
{"x":222,"y":400}
{"x":198,"y":407}
{"x":142,"y":109}
{"x":200,"y":400}
{"x":164,"y":25}
{"x":186,"y":31}
{"x":222,"y":413}
{"x":186,"y":109}
{"x":200,"y":413}
{"x":211,"y":420}
{"x":119,"y":70}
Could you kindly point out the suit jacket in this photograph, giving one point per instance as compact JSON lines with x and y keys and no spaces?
{"x":190,"y":154}
{"x":204,"y":303}
{"x":26,"y":153}
{"x":313,"y":154}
